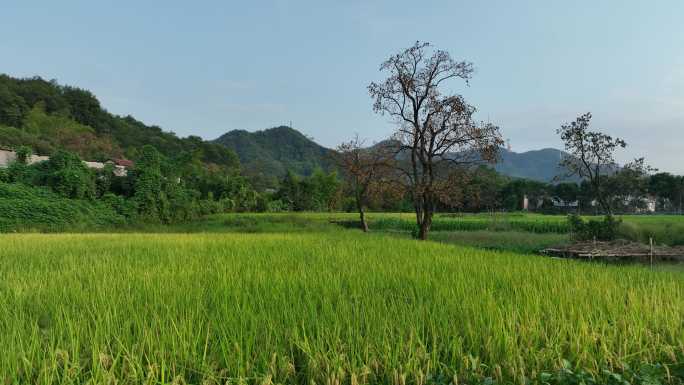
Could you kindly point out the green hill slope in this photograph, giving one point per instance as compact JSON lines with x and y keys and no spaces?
{"x":48,"y":116}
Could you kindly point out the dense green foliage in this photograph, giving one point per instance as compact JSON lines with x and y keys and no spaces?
{"x":28,"y":208}
{"x":605,"y":229}
{"x":330,"y":308}
{"x":318,"y":192}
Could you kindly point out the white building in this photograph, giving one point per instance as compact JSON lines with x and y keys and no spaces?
{"x":9,"y":156}
{"x":560,"y":203}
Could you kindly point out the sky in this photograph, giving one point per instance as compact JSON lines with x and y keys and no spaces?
{"x":207,"y":67}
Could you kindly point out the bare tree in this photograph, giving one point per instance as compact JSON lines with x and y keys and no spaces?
{"x":591,"y":156}
{"x":364,"y":169}
{"x":436,"y":130}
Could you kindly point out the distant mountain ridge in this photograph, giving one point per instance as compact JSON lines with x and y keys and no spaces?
{"x":541,"y":165}
{"x":270,"y":153}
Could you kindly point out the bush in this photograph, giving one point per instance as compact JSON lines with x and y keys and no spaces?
{"x":601,"y":230}
{"x":122,"y":206}
{"x":34,"y":208}
{"x":276,"y":206}
{"x":211,"y":206}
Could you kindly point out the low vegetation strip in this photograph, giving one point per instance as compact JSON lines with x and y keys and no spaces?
{"x":337,"y":308}
{"x":663,"y":229}
{"x":500,"y":222}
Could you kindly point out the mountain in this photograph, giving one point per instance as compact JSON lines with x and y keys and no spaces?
{"x":267,"y":155}
{"x":541,"y":165}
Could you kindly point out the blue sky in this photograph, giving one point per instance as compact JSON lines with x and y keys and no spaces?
{"x":207,"y":67}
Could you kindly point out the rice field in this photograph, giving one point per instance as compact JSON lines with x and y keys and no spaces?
{"x":327,"y":307}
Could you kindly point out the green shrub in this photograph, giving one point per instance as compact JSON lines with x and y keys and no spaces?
{"x":276,"y":206}
{"x":122,"y":206}
{"x":34,"y":208}
{"x":601,"y":230}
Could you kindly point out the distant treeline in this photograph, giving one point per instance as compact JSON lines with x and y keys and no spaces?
{"x":626,"y":190}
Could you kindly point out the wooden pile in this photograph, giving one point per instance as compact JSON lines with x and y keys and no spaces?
{"x":617,"y":251}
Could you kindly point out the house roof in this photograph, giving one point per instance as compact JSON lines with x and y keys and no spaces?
{"x":124,"y":162}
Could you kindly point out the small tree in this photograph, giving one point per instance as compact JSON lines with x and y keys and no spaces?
{"x":363,"y":169}
{"x":591,"y":155}
{"x":66,"y":174}
{"x":435,"y":129}
{"x":149,"y":195}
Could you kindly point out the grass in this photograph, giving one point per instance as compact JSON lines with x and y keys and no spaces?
{"x":330,"y":307}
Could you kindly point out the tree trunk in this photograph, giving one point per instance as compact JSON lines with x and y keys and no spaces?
{"x":360,"y":200}
{"x":362,"y":218}
{"x":419,"y":212}
{"x":425,"y":223}
{"x":607,"y":210}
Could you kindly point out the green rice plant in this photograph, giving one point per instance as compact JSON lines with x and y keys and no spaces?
{"x":326,"y":308}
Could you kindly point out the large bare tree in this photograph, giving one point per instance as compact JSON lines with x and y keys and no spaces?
{"x":590,"y":156}
{"x":365,"y":169}
{"x":436,"y":130}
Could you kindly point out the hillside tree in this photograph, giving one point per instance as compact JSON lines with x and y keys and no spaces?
{"x":436,"y":129}
{"x":149,"y":195}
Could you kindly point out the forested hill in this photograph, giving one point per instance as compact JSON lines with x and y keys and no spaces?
{"x":541,"y":165}
{"x":267,"y":155}
{"x":47,"y":116}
